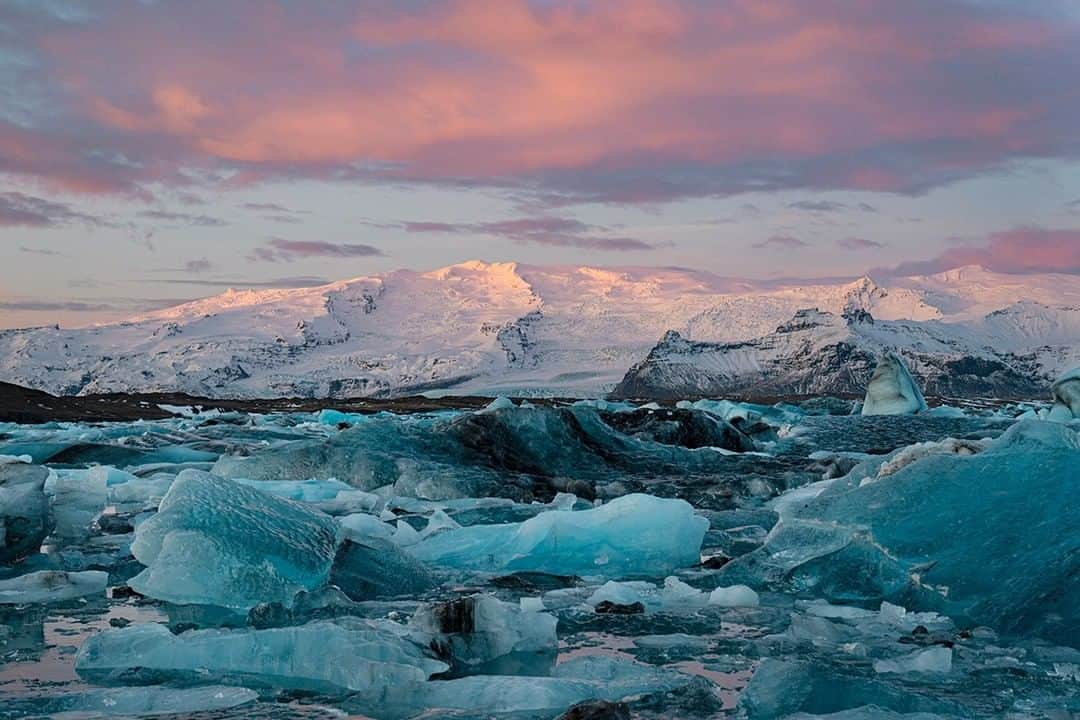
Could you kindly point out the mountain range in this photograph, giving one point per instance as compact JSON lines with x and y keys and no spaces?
{"x":489,"y":328}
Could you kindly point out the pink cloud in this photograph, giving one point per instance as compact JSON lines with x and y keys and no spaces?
{"x":629,"y":102}
{"x":1020,"y":250}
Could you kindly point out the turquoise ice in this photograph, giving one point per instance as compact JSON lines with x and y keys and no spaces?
{"x":217,"y":542}
{"x":631,"y":535}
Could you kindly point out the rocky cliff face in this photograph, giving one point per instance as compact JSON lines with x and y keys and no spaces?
{"x":819,"y":353}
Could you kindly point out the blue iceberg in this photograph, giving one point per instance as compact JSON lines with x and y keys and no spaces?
{"x":632,"y":535}
{"x":217,"y":542}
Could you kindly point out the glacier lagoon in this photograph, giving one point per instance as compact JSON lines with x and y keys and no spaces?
{"x":709,"y":560}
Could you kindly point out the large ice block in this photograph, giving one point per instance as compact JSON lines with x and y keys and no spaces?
{"x":631,"y":535}
{"x":892,"y":390}
{"x":217,"y":542}
{"x":479,"y":629}
{"x":990,"y":538}
{"x":330,"y":657}
{"x":24,"y":510}
{"x":45,"y":586}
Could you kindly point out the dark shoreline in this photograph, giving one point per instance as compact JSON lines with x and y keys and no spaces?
{"x":24,"y":405}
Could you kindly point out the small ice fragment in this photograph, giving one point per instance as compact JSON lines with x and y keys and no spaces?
{"x":734,"y":596}
{"x":931,"y":660}
{"x":45,"y":586}
{"x":478,"y":629}
{"x":343,"y":656}
{"x":532,"y":604}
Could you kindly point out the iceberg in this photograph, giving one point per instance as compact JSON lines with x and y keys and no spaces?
{"x":47,"y":586}
{"x":374,"y":567}
{"x":24,"y":510}
{"x":329,"y":657}
{"x":931,"y":660}
{"x":892,"y":389}
{"x":958,"y":534}
{"x":217,"y":542}
{"x":480,"y":629}
{"x":572,"y":682}
{"x":734,"y":596}
{"x":781,"y":688}
{"x":142,"y":702}
{"x":631,"y":535}
{"x":1066,"y":393}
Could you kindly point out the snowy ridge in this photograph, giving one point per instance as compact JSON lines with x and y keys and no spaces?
{"x":480,"y":327}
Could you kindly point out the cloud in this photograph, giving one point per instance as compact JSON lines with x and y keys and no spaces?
{"x":300,"y":281}
{"x":39,"y":251}
{"x":858,"y":243}
{"x":275,"y":212}
{"x":181,"y":218}
{"x":20,"y":210}
{"x":562,"y":101}
{"x":547,"y":230}
{"x":280,"y":249}
{"x":818,"y":206}
{"x":1019,"y":250}
{"x":54,"y":305}
{"x":781,"y":241}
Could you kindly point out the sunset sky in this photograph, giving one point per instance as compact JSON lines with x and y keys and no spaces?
{"x":152,"y":152}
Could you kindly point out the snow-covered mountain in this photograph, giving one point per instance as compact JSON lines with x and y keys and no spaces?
{"x":504,"y":327}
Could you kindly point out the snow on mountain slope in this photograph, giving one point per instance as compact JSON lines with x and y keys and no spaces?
{"x":1015,"y":352}
{"x":504,"y":327}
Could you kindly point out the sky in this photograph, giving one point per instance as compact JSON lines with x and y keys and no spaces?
{"x":155,"y":152}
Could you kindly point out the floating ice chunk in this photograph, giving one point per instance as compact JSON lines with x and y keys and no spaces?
{"x":931,"y":660}
{"x":532,"y":604}
{"x":479,"y":629}
{"x":45,"y":586}
{"x":143,"y":701}
{"x":631,"y":535}
{"x":331,"y":657}
{"x":360,"y":526}
{"x":24,"y":510}
{"x":141,"y":492}
{"x":437,"y":523}
{"x":572,"y":682}
{"x":1066,"y":392}
{"x":622,"y":593}
{"x":216,"y":542}
{"x":676,"y":593}
{"x":918,"y":451}
{"x":734,"y":596}
{"x":372,"y":567}
{"x":299,"y":490}
{"x":780,"y":688}
{"x":1014,"y":504}
{"x":892,"y":390}
{"x":79,"y":497}
{"x":405,"y":534}
{"x":16,"y":459}
{"x":499,"y":403}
